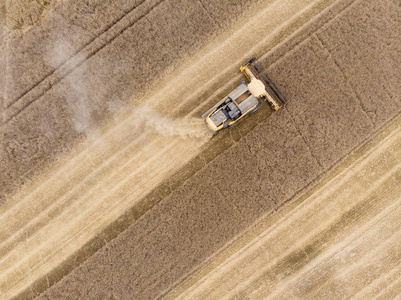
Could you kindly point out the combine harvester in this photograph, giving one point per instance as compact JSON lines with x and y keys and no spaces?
{"x":245,"y":99}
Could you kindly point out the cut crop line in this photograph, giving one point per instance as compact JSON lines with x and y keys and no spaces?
{"x":383,"y":247}
{"x":286,"y":41}
{"x":376,"y":132}
{"x":358,"y":236}
{"x":256,"y":46}
{"x":66,"y":213}
{"x":319,"y":22}
{"x":242,"y":254}
{"x":221,"y":259}
{"x":67,"y":242}
{"x":73,"y":62}
{"x":93,"y":52}
{"x":69,"y":58}
{"x":395,"y":284}
{"x":384,"y":277}
{"x":64,"y":200}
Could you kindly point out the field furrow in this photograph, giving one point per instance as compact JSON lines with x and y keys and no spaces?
{"x":97,"y":182}
{"x":342,"y":240}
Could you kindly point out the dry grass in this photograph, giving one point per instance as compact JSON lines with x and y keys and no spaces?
{"x":197,"y":218}
{"x":269,"y":165}
{"x":22,"y":14}
{"x":141,"y":55}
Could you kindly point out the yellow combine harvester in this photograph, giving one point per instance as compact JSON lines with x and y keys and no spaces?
{"x":245,"y":99}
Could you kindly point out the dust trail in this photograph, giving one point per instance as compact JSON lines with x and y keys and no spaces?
{"x":93,"y":185}
{"x":81,"y":104}
{"x":147,"y":118}
{"x":74,"y":85}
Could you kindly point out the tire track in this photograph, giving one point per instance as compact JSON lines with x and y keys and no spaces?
{"x":379,"y":285}
{"x":366,"y":234}
{"x":78,"y":58}
{"x":153,"y":282}
{"x":115,"y":193}
{"x":72,"y":56}
{"x":80,"y":164}
{"x":275,"y":48}
{"x":194,"y":65}
{"x":306,"y":31}
{"x":87,"y":51}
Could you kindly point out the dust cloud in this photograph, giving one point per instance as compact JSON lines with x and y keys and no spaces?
{"x":75,"y":87}
{"x":141,"y":120}
{"x":146,"y":118}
